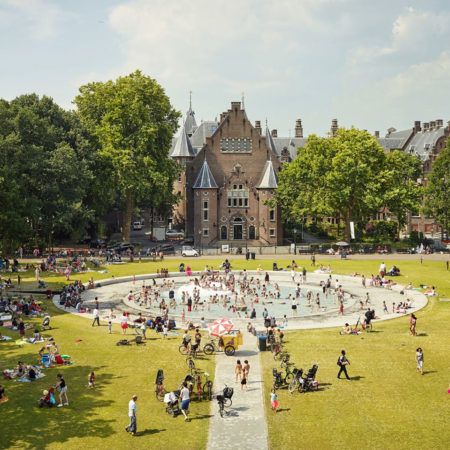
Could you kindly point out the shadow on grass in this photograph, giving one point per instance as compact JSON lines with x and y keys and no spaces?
{"x":25,"y":425}
{"x":149,"y":431}
{"x":283,"y":410}
{"x":427,"y":372}
{"x":356,"y":378}
{"x":201,"y":417}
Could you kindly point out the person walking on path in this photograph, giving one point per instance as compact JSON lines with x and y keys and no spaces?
{"x":61,"y":386}
{"x":238,"y":370}
{"x":412,"y":325}
{"x":132,"y":411}
{"x":185,"y":401}
{"x":419,"y":360}
{"x":244,"y":381}
{"x":343,"y":362}
{"x":96,"y":315}
{"x":246,"y":369}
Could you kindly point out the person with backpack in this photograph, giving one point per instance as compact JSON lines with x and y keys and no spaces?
{"x":343,"y":362}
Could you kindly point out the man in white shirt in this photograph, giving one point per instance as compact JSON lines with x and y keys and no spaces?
{"x":382,"y":269}
{"x":132,"y":409}
{"x":96,"y":315}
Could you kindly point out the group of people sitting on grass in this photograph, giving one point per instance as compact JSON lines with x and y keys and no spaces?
{"x":23,"y":372}
{"x":19,"y":306}
{"x":71,"y":294}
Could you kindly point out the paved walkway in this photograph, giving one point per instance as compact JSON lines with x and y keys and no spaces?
{"x":245,"y":426}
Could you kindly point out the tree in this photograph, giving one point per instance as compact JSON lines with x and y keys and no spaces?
{"x":437,"y":191}
{"x":402,"y":193}
{"x":43,"y":177}
{"x":133,"y":123}
{"x":340,"y":176}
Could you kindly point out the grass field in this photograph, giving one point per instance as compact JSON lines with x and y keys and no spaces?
{"x":389,"y":406}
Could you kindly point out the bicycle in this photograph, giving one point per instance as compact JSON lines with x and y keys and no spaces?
{"x":224,"y":400}
{"x":295,"y":384}
{"x":190,"y":363}
{"x":212,"y":347}
{"x":204,"y":390}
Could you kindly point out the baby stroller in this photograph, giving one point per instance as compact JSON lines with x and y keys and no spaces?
{"x":46,"y":323}
{"x":224,"y":400}
{"x":48,"y":399}
{"x":309,"y":383}
{"x":171,"y":400}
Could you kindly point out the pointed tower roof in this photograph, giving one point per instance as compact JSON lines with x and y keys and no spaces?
{"x":183,"y":147}
{"x":205,"y":179}
{"x":270,"y":142}
{"x":269,"y":177}
{"x":190,"y":124}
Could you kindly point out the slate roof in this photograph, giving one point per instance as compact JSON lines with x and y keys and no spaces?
{"x":396,"y":139}
{"x":423,"y":142}
{"x":292,"y":144}
{"x":182,"y":147}
{"x":205,"y":179}
{"x":206,"y":129}
{"x":190,"y":124}
{"x":270,"y":144}
{"x":269,"y":178}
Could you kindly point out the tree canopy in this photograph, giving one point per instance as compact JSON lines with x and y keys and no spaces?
{"x":437,"y":192}
{"x":348,"y":176}
{"x":133,"y":123}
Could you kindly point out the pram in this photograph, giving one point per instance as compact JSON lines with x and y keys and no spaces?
{"x":46,"y":323}
{"x":309,"y":383}
{"x":171,"y":399}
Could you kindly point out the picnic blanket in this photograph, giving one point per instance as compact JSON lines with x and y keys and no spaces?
{"x":5,"y":338}
{"x":25,"y":378}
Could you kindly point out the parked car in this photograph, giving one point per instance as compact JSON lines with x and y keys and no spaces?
{"x":188,"y":241}
{"x":174,"y":234}
{"x":97,"y":243}
{"x":167,"y":249}
{"x":137,"y":226}
{"x":122,"y":247}
{"x":187,"y":250}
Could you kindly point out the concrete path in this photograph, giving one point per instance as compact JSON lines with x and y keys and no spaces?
{"x":245,"y":426}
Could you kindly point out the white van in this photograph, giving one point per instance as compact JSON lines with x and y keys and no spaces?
{"x":137,"y":226}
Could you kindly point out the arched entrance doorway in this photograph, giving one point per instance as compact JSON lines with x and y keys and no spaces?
{"x":238,"y":229}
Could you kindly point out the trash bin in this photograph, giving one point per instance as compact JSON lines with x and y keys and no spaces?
{"x":262,"y":343}
{"x":253,"y":255}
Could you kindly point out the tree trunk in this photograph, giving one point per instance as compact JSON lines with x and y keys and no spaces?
{"x":347,"y":232}
{"x":127,"y":216}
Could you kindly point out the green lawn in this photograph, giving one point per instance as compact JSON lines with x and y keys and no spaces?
{"x":389,"y":406}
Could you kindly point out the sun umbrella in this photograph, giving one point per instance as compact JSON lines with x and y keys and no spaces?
{"x":220,"y":327}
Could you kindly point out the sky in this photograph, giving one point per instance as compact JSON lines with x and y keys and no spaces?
{"x":370,"y":64}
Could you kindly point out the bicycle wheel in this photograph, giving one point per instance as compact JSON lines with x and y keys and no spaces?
{"x":229,"y":350}
{"x":227,"y":402}
{"x":183,"y":350}
{"x":289,"y":378}
{"x":292,"y":386}
{"x":207,"y":390}
{"x":208,"y":349}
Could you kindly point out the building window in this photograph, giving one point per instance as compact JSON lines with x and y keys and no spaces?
{"x":251,"y":232}
{"x":223,"y":232}
{"x":238,"y":196}
{"x":205,"y":232}
{"x":272,"y":215}
{"x":205,"y":211}
{"x":272,"y":232}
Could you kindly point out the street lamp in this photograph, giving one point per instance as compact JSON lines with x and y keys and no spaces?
{"x":295,"y":240}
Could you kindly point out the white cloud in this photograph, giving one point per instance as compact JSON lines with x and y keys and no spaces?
{"x":41,"y":18}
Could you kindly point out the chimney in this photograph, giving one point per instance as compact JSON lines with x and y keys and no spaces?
{"x":298,"y":128}
{"x":439,"y":123}
{"x":417,"y":127}
{"x":223,"y":115}
{"x":235,"y":106}
{"x":377,"y":134}
{"x":258,"y":126}
{"x":334,"y":127}
{"x":426,"y":126}
{"x":274,"y":133}
{"x":432,"y":125}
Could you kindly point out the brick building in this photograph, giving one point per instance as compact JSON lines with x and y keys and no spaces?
{"x":424,"y":141}
{"x":229,"y":173}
